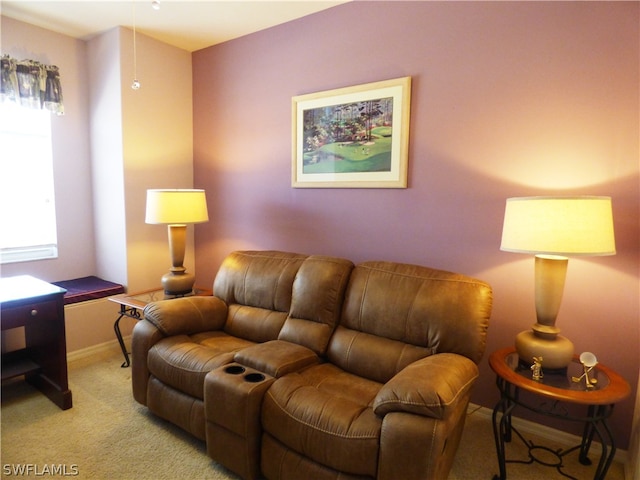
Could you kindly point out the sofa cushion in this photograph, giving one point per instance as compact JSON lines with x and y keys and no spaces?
{"x":318,"y":294}
{"x":257,"y":286}
{"x":258,"y":279}
{"x":421,"y":306}
{"x":254,"y":323}
{"x":183,"y":361}
{"x":370,"y":356}
{"x":325,"y":414}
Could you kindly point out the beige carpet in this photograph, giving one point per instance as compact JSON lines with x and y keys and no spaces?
{"x":107,"y":435}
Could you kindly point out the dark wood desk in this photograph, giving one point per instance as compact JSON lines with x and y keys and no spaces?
{"x":37,"y":306}
{"x":552,"y":390}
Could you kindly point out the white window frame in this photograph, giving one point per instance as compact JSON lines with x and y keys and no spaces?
{"x":27,"y":196}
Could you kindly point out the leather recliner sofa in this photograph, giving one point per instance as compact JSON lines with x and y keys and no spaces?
{"x":259,"y":297}
{"x":311,"y":367}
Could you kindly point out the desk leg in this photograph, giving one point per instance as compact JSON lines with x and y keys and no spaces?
{"x":116,"y":327}
{"x":45,"y":340}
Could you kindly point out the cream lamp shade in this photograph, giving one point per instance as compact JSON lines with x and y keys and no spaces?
{"x":552,"y":228}
{"x":177,"y":208}
{"x":559,"y":226}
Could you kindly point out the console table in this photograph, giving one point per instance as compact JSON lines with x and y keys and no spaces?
{"x":37,"y":306}
{"x":551,"y":391}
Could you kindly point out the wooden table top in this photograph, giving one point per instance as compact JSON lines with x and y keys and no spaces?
{"x":611,"y":387}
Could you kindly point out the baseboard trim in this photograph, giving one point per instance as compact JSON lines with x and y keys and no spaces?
{"x":101,"y":348}
{"x":544,"y":432}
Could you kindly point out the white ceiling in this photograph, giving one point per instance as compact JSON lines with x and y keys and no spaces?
{"x":187,"y":24}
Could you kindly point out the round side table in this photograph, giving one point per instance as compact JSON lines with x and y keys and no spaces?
{"x":550,"y":392}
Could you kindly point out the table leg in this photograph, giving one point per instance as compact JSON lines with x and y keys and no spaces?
{"x":502,"y":428}
{"x":587,"y":437}
{"x":130,"y":312}
{"x":597,"y":425}
{"x":116,"y":327}
{"x":125,"y":312}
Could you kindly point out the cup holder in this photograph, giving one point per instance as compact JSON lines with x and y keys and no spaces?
{"x":234,"y":369}
{"x":254,"y":377}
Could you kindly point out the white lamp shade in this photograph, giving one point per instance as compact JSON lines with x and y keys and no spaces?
{"x":559,"y":226}
{"x":176,"y":207}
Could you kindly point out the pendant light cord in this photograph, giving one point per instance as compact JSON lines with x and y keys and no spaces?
{"x":136,"y":84}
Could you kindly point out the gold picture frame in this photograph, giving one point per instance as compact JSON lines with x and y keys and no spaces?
{"x":353,"y":137}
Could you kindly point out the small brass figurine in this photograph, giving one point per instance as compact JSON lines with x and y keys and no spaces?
{"x":588,"y":361}
{"x":536,"y":368}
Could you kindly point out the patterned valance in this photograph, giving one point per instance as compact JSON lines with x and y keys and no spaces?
{"x":31,"y":84}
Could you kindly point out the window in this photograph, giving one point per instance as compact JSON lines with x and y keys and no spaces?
{"x":27,"y":203}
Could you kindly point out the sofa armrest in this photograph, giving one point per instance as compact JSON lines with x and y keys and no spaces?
{"x":430,"y":386}
{"x":144,"y":336}
{"x":187,"y":315}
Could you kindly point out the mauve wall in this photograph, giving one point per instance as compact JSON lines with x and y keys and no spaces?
{"x":508,"y":99}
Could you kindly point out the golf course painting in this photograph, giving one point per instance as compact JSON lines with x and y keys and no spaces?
{"x":355,"y":137}
{"x":352,"y":137}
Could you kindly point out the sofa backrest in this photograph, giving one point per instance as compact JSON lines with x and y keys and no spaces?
{"x":395,"y":314}
{"x":317,"y":298}
{"x":257,"y":286}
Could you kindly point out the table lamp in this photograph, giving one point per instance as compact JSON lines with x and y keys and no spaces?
{"x":553,"y":228}
{"x":176,"y":208}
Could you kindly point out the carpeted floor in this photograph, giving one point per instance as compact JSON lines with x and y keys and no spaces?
{"x":107,"y":435}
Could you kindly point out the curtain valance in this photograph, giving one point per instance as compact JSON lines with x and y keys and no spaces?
{"x":31,"y":84}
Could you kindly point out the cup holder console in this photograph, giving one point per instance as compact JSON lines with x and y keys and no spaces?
{"x":254,"y":377}
{"x":235,"y":426}
{"x":234,"y":369}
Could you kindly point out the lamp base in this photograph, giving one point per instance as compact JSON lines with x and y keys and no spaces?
{"x":177,"y":284}
{"x":556,"y":353}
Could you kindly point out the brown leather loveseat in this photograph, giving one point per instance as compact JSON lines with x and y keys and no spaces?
{"x":308,"y":367}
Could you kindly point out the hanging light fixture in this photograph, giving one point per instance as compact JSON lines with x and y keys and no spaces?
{"x":136,"y":84}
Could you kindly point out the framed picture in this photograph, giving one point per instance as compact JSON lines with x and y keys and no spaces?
{"x":354,"y":137}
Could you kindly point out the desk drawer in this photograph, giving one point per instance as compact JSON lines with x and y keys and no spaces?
{"x":19,"y":316}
